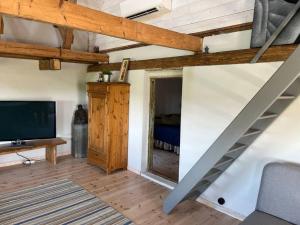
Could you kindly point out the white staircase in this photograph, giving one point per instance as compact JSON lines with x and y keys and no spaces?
{"x":271,"y":100}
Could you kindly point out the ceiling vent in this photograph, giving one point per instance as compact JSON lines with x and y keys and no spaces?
{"x":144,"y":9}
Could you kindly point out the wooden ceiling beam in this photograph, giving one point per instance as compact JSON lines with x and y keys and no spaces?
{"x":66,"y":14}
{"x":224,"y":30}
{"x":203,"y":34}
{"x":273,"y":54}
{"x":30,"y":51}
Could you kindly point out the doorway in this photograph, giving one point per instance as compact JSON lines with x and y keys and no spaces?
{"x":164,"y":130}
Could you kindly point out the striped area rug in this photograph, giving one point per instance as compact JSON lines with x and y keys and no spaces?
{"x":60,"y":202}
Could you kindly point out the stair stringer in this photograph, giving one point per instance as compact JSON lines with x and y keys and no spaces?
{"x":266,"y":96}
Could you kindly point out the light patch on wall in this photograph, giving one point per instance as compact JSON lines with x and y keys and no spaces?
{"x":22,"y":80}
{"x":212,"y":97}
{"x":228,"y":42}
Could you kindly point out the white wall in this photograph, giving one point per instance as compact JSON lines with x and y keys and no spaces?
{"x":222,"y":92}
{"x":217,"y":43}
{"x":147,"y":52}
{"x":26,"y":31}
{"x":22,"y":80}
{"x":212,"y":97}
{"x":228,"y":42}
{"x":136,"y":120}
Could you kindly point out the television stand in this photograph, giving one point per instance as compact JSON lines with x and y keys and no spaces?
{"x":49,"y":144}
{"x":18,"y":143}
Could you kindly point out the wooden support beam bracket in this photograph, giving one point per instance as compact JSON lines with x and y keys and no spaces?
{"x":50,"y":64}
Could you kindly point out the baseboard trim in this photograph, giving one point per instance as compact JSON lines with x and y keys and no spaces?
{"x":159,"y":180}
{"x":154,"y":178}
{"x":171,"y":185}
{"x":134,"y":171}
{"x":221,"y":209}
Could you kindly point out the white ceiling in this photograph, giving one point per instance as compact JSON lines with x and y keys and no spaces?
{"x":187,"y":16}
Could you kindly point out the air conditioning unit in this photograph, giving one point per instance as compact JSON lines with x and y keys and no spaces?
{"x":144,"y":9}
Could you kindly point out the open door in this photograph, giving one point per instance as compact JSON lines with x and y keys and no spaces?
{"x":164,"y":123}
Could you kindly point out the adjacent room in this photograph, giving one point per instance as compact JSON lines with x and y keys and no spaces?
{"x":164,"y":126}
{"x":127,"y":112}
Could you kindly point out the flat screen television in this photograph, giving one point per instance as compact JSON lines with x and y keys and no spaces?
{"x":27,"y":120}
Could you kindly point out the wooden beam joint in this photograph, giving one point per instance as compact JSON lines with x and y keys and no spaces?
{"x":67,"y":36}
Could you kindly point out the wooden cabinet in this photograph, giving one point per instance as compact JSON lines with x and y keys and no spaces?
{"x":108,"y":125}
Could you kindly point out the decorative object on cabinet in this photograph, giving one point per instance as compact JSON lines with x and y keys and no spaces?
{"x":108,"y":125}
{"x":106,"y":75}
{"x":100,"y":77}
{"x":124,"y":70}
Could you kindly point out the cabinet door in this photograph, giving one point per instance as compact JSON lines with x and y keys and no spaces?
{"x":97,"y":115}
{"x":118,"y":127}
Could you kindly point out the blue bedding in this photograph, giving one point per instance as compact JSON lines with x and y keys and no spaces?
{"x":167,"y":133}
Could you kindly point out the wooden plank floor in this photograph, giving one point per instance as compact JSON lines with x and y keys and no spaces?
{"x":166,"y":164}
{"x":137,"y":198}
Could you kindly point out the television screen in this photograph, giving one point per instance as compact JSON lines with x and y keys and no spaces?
{"x":26,"y":120}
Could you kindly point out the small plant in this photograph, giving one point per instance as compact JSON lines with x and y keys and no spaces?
{"x":106,"y":75}
{"x":107,"y":72}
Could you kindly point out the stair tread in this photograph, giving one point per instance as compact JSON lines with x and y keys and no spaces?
{"x":287,"y":97}
{"x":252,"y":132}
{"x":201,"y":184}
{"x":268,"y":115}
{"x":200,"y":187}
{"x":237,"y":147}
{"x":204,"y":185}
{"x":223,"y":161}
{"x":204,"y":182}
{"x":213,"y":172}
